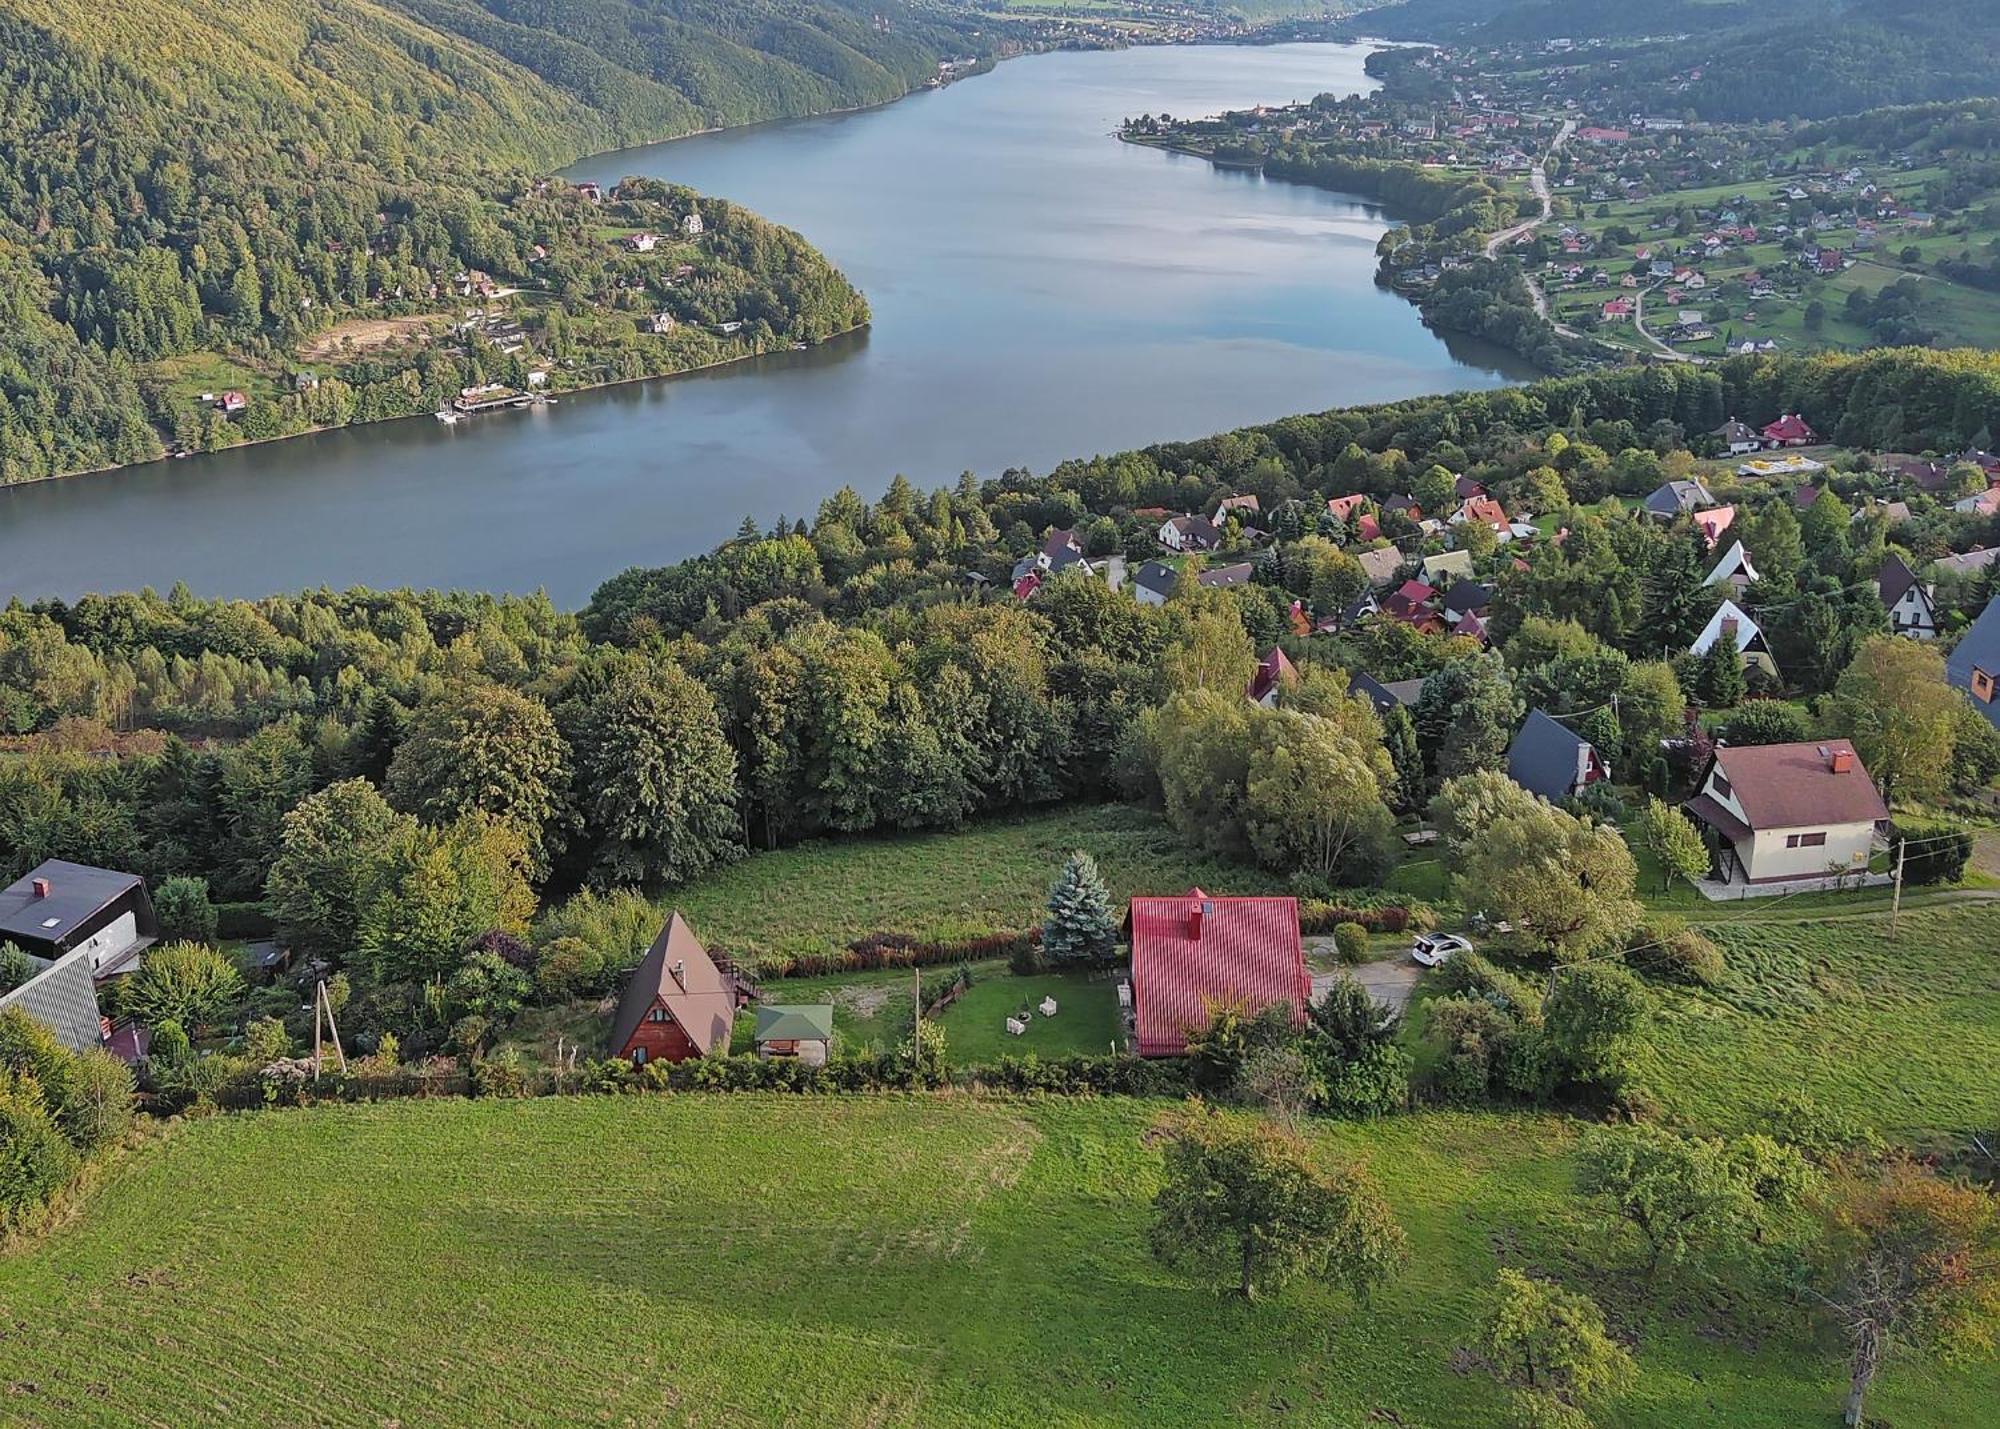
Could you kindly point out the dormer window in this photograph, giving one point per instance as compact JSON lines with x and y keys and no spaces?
{"x":1719,"y":782}
{"x":1982,"y":685}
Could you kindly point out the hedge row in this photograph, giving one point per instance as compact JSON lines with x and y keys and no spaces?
{"x":895,"y":950}
{"x":1317,"y":919}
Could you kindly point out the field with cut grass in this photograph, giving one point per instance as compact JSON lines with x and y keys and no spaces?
{"x":753,"y":1260}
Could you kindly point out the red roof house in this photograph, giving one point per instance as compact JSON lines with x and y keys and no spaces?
{"x":1485,"y":510}
{"x":1274,"y":672}
{"x":1194,"y":952}
{"x":1790,"y":430}
{"x":1412,"y":602}
{"x":678,"y":1005}
{"x":1713,"y":522}
{"x":1344,"y":506}
{"x":1367,"y":528}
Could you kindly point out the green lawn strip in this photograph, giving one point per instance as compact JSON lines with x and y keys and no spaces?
{"x":1086,"y":1020}
{"x":754,"y":1260}
{"x":992,"y":876}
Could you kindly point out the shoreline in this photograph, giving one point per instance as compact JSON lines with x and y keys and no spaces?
{"x":421,"y":416}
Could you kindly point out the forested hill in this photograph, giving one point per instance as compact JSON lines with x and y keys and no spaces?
{"x":228,"y":176}
{"x":1741,"y":59}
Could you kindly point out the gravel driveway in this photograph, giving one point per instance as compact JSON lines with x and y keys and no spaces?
{"x":1389,"y":981}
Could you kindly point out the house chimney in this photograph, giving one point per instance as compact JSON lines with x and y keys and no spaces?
{"x":1729,"y":628}
{"x":679,"y":971}
{"x":1842,"y":761}
{"x":1198,"y":907}
{"x":41,"y":887}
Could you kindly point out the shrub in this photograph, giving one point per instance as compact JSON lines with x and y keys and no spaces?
{"x":266,"y":1040}
{"x":1376,"y":1083}
{"x":36,"y":1159}
{"x":184,"y":910}
{"x":1825,"y":1137}
{"x":502,"y":1076}
{"x":1935,"y":851}
{"x":286,"y":1081}
{"x":1670,"y":951}
{"x":616,"y":927}
{"x":1350,"y":941}
{"x":188,"y":983}
{"x":1317,"y":918}
{"x":15,"y":968}
{"x":1471,"y":975}
{"x":1470,"y":1035}
{"x":564,"y":966}
{"x":97,"y":1112}
{"x":170,"y":1045}
{"x":1767,"y":722}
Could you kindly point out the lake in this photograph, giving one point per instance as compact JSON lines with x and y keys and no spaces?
{"x":1040,"y":291}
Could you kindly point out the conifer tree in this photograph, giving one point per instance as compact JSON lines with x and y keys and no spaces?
{"x":1081,"y":926}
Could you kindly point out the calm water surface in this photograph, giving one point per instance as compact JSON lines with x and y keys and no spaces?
{"x":1040,"y":291}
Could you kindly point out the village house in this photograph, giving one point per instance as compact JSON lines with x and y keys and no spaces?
{"x":1907,"y":599}
{"x":1386,"y":695}
{"x":231,"y":403}
{"x":1189,"y":533}
{"x":643,"y":242}
{"x":1968,"y":563}
{"x":79,"y":927}
{"x":1467,"y":602}
{"x":1789,"y":430}
{"x":1552,"y":760}
{"x":678,"y":1004}
{"x":1730,"y":622}
{"x":1194,"y":952}
{"x":1344,"y":507}
{"x":1986,"y":503}
{"x":1734,"y":569}
{"x":1974,"y":663}
{"x":1781,"y":812}
{"x":1244,"y":507}
{"x":1446,"y":563}
{"x":692,"y":225}
{"x":1411,"y":602}
{"x":1382,"y":566}
{"x":795,"y":1032}
{"x":1154,"y":582}
{"x":1713,"y":522}
{"x":1738,"y":438}
{"x":1674,"y":499}
{"x":1274,"y":673}
{"x":1223,"y":577}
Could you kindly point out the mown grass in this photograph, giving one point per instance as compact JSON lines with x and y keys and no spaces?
{"x":758,"y":1260}
{"x":1901,"y":1031}
{"x":992,"y":876}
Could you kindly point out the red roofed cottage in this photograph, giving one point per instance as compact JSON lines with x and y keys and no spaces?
{"x":679,"y":1005}
{"x":1194,"y":952}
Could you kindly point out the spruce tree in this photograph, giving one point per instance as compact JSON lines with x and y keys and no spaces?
{"x":1722,"y":682}
{"x":1081,"y":926}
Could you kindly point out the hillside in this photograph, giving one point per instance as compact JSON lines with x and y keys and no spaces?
{"x":184,"y":177}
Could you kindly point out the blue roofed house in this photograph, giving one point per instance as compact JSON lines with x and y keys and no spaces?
{"x":1974,"y":663}
{"x":1550,"y":759}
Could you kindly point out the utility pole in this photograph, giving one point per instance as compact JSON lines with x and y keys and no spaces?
{"x":917,"y":1027}
{"x":1896,"y":899}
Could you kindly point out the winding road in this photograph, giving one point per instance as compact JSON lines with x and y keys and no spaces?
{"x":1538,"y":181}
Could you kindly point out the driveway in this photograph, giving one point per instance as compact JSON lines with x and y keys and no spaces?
{"x":1388,"y":980}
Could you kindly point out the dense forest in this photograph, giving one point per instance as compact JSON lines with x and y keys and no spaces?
{"x":190,"y":187}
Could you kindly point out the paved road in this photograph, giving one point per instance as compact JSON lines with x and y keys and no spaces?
{"x":1639,"y":326}
{"x":1538,"y":180}
{"x":1389,"y":981}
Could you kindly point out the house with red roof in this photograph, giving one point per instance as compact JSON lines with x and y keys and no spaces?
{"x":1367,"y":528}
{"x":1412,"y":602}
{"x":1779,"y":812}
{"x":1274,"y":672}
{"x":1483,"y":510}
{"x":1790,"y":430}
{"x":1345,"y":506}
{"x":1194,"y":952}
{"x":1617,"y":310}
{"x":1713,"y":522}
{"x":679,"y":1003}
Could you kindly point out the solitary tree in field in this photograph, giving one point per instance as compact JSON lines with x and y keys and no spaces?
{"x":1551,"y":1344}
{"x":1908,"y":1259}
{"x":1675,"y":842}
{"x":1246,"y":1196}
{"x":1081,"y":926}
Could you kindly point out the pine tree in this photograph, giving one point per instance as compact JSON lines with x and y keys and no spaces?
{"x":1722,"y":682}
{"x":1400,"y":736}
{"x":1081,"y":926}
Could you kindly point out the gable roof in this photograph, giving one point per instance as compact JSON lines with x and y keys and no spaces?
{"x":76,"y":892}
{"x":702,"y":999}
{"x":1386,"y":694}
{"x":1791,"y":427}
{"x":1157,"y":577}
{"x":1735,"y":561}
{"x":1225,"y":575}
{"x":1272,"y":671}
{"x":1483,"y":508}
{"x":1748,"y":632}
{"x":1196,"y":530}
{"x":1343,"y":506}
{"x":1964,"y":564}
{"x":1547,"y":757}
{"x":1465,"y":597}
{"x":1193,"y":949}
{"x":1895,"y":579}
{"x":1381,"y":566}
{"x":1410,"y":598}
{"x":795,"y":1022}
{"x":1713,"y":522}
{"x":1447,"y":563}
{"x":1787,"y":786}
{"x":1676,"y":497}
{"x":1978,"y":650}
{"x":1367,"y":528}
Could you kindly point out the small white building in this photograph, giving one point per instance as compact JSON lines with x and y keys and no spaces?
{"x":1907,"y":599}
{"x":1788,"y":811}
{"x":1732,"y":623}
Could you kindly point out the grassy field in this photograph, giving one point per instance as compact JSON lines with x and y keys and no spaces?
{"x":1901,"y":1031}
{"x":992,"y":876}
{"x":751,"y":1261}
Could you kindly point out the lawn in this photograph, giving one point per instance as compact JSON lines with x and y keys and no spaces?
{"x":992,"y":876}
{"x":1903,"y":1031}
{"x":754,"y":1260}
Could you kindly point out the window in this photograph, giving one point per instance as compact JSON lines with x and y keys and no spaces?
{"x":1982,"y":684}
{"x":1817,"y":840}
{"x":1719,"y":783}
{"x":659,"y":1014}
{"x":638,"y":1056}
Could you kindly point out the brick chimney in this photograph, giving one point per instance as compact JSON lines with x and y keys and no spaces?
{"x":679,"y":970}
{"x":1841,"y":761}
{"x":41,"y":887}
{"x":1197,"y":907}
{"x":1729,"y":628}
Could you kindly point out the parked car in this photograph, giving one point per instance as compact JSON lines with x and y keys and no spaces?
{"x":1434,"y":949}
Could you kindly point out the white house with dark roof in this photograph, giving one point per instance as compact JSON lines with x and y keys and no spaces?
{"x":1734,"y":569}
{"x":1731,"y":622}
{"x":1677,"y":498}
{"x":1907,"y":599}
{"x":1153,"y":582}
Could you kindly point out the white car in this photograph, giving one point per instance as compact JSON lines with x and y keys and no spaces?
{"x":1434,"y":949}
